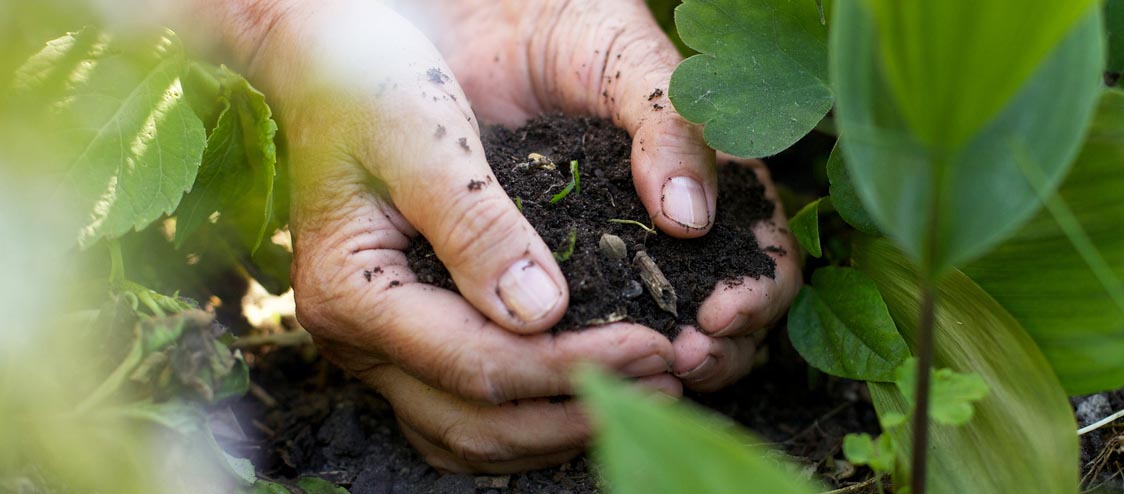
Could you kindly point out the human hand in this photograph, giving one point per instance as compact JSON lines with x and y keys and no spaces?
{"x":382,"y":144}
{"x":517,"y":59}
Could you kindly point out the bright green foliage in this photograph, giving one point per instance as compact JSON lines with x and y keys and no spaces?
{"x":1114,"y":29}
{"x":564,"y":253}
{"x":649,"y":446}
{"x":313,"y":485}
{"x":760,"y":82}
{"x":132,"y":144}
{"x":239,"y":165}
{"x":952,"y":65}
{"x":861,"y":449}
{"x":574,"y":185}
{"x":1047,"y":284}
{"x":840,"y":325}
{"x":1021,"y":438}
{"x":805,"y":226}
{"x":952,"y":394}
{"x":843,"y":196}
{"x":947,"y":200}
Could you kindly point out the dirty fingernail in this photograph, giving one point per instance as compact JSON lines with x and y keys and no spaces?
{"x":737,"y":324}
{"x":527,"y":291}
{"x":652,"y":364}
{"x":684,"y":201}
{"x":701,"y":372}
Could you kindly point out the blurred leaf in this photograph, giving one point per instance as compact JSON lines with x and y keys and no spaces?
{"x":861,"y":449}
{"x":760,"y":83}
{"x":960,"y":55}
{"x":951,"y":396}
{"x":1044,"y":281}
{"x":241,"y":467}
{"x":805,"y":226}
{"x":840,"y":325}
{"x":267,"y":487}
{"x":1114,"y":27}
{"x":132,"y":144}
{"x":313,"y":485}
{"x":1022,"y":436}
{"x":948,"y":202}
{"x":239,"y":165}
{"x":645,"y":446}
{"x":844,"y":197}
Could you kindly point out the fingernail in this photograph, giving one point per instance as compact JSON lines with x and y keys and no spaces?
{"x":527,"y":291}
{"x":684,"y":201}
{"x":702,"y":371}
{"x":652,"y":364}
{"x":737,"y":324}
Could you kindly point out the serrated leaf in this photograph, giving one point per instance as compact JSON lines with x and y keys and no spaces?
{"x":1046,"y":284}
{"x":844,"y":197}
{"x":960,"y":55}
{"x":646,"y":446}
{"x":805,"y":226}
{"x":947,"y":205}
{"x":237,"y":176}
{"x":760,"y":82}
{"x":951,"y":396}
{"x":840,"y":325}
{"x":862,"y":449}
{"x":130,"y":143}
{"x":1021,"y":438}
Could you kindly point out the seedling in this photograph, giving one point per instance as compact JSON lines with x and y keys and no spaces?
{"x":519,"y":203}
{"x":575,"y":184}
{"x":563,"y":255}
{"x":649,"y":229}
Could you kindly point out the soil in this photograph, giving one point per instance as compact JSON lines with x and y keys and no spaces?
{"x":604,"y":289}
{"x":308,"y":418}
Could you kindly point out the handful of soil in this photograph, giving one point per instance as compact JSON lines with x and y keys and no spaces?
{"x":616,"y":270}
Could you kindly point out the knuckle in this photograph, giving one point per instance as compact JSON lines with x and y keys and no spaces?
{"x":482,"y":226}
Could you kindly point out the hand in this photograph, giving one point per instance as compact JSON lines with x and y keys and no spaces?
{"x":517,"y":59}
{"x":382,"y":144}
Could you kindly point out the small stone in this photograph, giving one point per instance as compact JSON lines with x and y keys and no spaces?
{"x":1093,"y":408}
{"x":612,"y":246}
{"x":633,"y":290}
{"x":493,"y":482}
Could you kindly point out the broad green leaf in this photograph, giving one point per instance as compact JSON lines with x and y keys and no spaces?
{"x":314,"y":485}
{"x":239,"y":166}
{"x":760,"y":82}
{"x":1041,"y":279}
{"x":951,"y":396}
{"x":649,"y":446}
{"x":805,"y":226}
{"x":1021,"y":438}
{"x":861,"y":449}
{"x":1114,"y":31}
{"x":840,"y":325}
{"x":844,"y":197}
{"x":130,"y":143}
{"x":952,"y":65}
{"x":946,"y":205}
{"x":267,"y":487}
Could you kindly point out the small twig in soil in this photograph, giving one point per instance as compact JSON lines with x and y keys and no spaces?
{"x":263,"y":396}
{"x":856,"y":487}
{"x":1100,"y":423}
{"x":649,"y":229}
{"x":288,"y":338}
{"x":658,"y":287}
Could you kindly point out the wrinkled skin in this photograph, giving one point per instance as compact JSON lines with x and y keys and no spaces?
{"x":361,"y":90}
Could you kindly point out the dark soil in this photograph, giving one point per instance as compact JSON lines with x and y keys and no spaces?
{"x":603,"y":289}
{"x":1102,"y":450}
{"x":319,"y":422}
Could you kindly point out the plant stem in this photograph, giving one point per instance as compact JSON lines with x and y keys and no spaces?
{"x":921,"y":399}
{"x":116,"y":264}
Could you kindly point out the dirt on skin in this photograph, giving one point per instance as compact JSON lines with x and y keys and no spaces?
{"x":602,"y":288}
{"x":317,"y":421}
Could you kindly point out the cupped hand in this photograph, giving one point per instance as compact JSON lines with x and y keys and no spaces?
{"x":382,"y":144}
{"x":609,"y":58}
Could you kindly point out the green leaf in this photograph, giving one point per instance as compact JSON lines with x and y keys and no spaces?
{"x":267,"y":487}
{"x":1114,"y":30}
{"x":951,"y":396}
{"x":1022,"y":436}
{"x":805,"y":226}
{"x":130,"y":144}
{"x":314,"y":485}
{"x":946,"y":204}
{"x":648,"y":446}
{"x":239,"y":166}
{"x":841,"y":326}
{"x":952,"y":65}
{"x":760,"y":82}
{"x":241,"y":467}
{"x":1047,"y":284}
{"x":844,"y":197}
{"x":861,"y":449}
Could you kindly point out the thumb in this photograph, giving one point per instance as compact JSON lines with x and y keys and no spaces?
{"x":627,"y":80}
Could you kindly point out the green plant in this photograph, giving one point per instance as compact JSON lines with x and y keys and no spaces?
{"x":574,"y":185}
{"x":954,"y":177}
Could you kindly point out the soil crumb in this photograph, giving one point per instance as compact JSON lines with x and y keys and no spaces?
{"x":603,"y":289}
